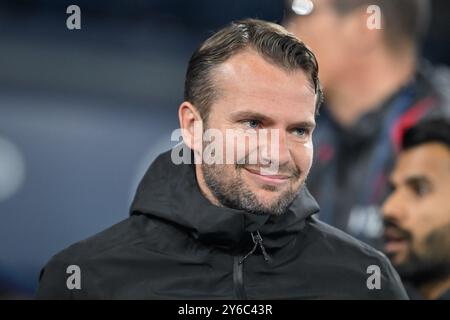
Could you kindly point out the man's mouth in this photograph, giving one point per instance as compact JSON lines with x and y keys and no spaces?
{"x":395,"y":241}
{"x":277,"y":180}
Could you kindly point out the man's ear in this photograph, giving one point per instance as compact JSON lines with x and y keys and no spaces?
{"x":191,"y":125}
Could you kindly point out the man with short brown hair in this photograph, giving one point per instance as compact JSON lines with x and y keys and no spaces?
{"x":234,"y":229}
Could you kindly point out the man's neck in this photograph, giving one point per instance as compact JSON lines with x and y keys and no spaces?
{"x":369,"y":84}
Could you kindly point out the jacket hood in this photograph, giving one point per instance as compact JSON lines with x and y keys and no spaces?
{"x":170,"y":192}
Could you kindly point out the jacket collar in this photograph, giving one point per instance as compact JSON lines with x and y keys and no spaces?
{"x":170,"y":192}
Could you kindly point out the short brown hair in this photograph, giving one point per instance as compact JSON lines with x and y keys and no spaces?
{"x":270,"y":40}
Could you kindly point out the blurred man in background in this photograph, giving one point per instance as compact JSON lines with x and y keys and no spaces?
{"x":417,"y":213}
{"x":374,"y":90}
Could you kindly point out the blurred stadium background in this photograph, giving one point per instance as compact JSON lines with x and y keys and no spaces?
{"x":83,"y":113}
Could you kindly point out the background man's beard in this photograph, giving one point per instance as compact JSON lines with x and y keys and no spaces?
{"x":433,"y":265}
{"x":233,"y":193}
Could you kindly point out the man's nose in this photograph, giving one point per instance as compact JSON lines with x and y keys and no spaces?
{"x":275,"y":148}
{"x":394,"y":207}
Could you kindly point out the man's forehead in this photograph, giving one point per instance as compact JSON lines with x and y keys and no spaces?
{"x":430,"y":160}
{"x":249,"y":60}
{"x":249,"y":73}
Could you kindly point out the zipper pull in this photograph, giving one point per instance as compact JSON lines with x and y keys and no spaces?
{"x":250,"y":253}
{"x":257,"y":240}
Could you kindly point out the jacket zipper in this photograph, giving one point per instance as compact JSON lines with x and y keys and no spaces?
{"x":238,"y":266}
{"x":238,"y":278}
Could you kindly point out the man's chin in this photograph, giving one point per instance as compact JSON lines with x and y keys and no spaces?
{"x":406,"y":266}
{"x":395,"y":259}
{"x":267,"y":190}
{"x":268,"y":194}
{"x":273,"y":202}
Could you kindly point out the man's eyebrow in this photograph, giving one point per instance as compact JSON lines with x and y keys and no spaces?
{"x":304,"y":124}
{"x":240,"y":115}
{"x":414,"y":180}
{"x":251,"y":115}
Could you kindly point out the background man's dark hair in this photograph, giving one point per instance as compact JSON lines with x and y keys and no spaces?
{"x":429,"y":131}
{"x":402,"y":19}
{"x":270,"y":40}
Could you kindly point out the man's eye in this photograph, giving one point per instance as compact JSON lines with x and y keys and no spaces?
{"x":420,"y":189}
{"x":252,"y":123}
{"x":301,"y":132}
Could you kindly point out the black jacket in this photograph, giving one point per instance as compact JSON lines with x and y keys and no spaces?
{"x":177,"y":245}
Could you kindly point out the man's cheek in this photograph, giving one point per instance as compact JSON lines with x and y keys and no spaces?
{"x":416,"y":246}
{"x":306,"y":156}
{"x":308,"y":146}
{"x":417,"y":242}
{"x":422,"y":222}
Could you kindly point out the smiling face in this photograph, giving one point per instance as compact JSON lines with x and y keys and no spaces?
{"x":417,"y":213}
{"x":253,"y":95}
